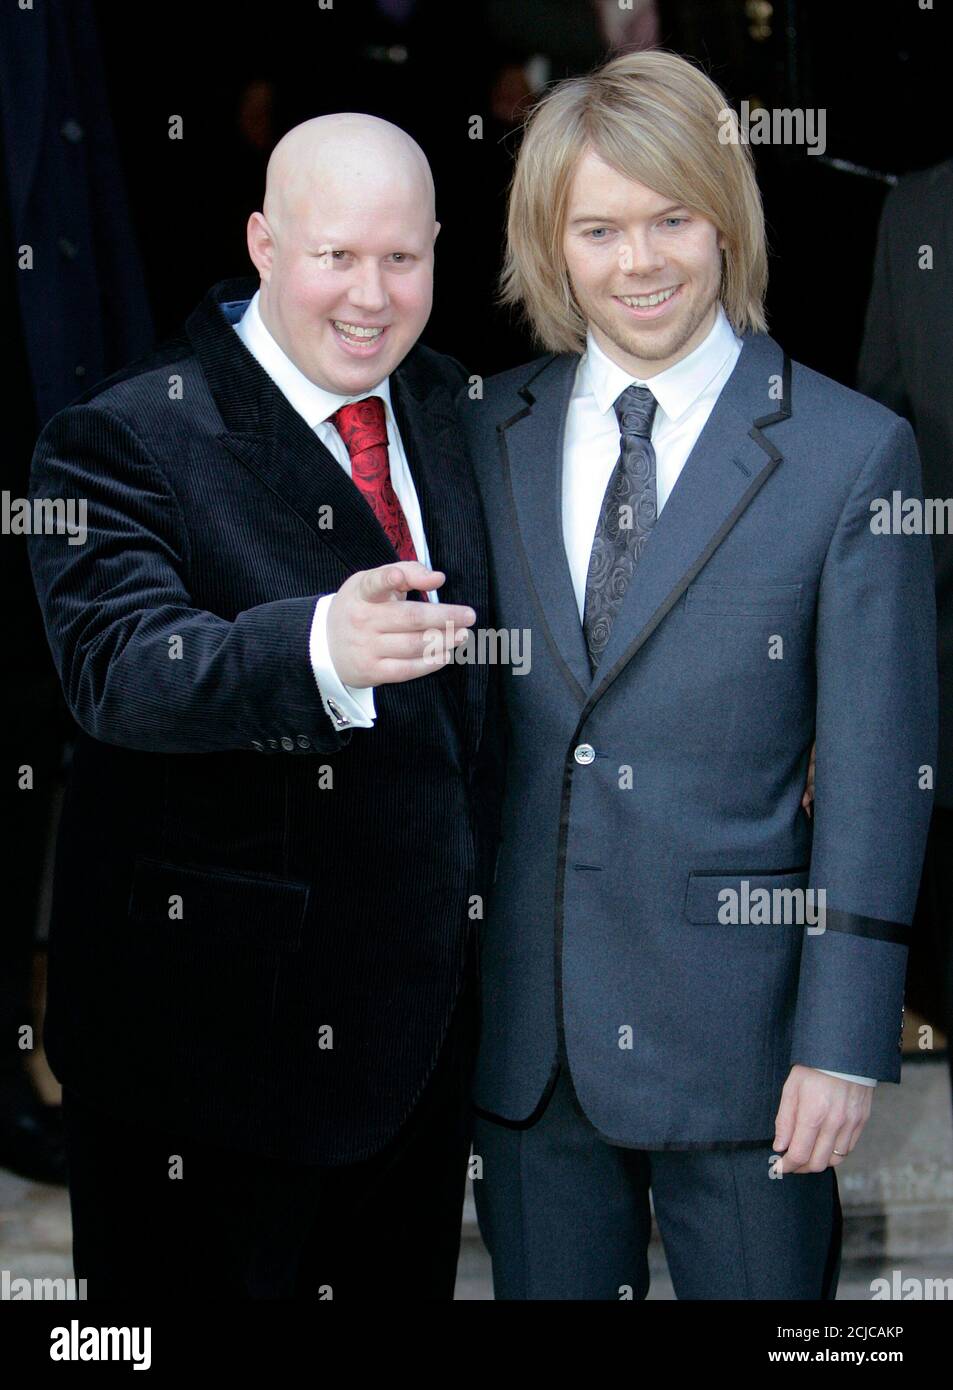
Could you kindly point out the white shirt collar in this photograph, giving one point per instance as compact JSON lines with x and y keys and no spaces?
{"x":677,"y":388}
{"x":311,"y":401}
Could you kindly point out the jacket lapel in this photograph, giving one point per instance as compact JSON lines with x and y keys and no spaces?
{"x":532,"y":447}
{"x":433,"y":443}
{"x":729,"y":463}
{"x":268,"y":436}
{"x":453,"y":523}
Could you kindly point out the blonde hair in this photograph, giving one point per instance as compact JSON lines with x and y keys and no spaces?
{"x":653,"y":117}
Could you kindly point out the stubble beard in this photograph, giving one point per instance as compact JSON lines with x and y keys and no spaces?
{"x":655,"y":347}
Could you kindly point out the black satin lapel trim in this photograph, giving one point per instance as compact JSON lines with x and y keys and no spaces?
{"x":873,"y":928}
{"x":730,"y":462}
{"x":531,"y":450}
{"x":650,"y":602}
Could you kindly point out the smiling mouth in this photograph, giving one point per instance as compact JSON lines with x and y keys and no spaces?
{"x":648,"y":301}
{"x":357,"y":335}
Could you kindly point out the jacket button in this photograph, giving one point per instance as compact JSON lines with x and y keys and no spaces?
{"x":303,"y":741}
{"x":584,"y":754}
{"x":288,"y":744}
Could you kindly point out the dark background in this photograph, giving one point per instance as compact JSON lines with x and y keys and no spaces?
{"x":242,"y":74}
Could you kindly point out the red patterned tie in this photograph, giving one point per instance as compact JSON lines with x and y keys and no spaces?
{"x":363,"y":428}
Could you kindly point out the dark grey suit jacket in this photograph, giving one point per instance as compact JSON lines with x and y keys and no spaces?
{"x":604,"y":937}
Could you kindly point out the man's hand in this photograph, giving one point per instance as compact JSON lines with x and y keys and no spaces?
{"x":818,"y":1114}
{"x":808,"y":797}
{"x":375,"y":637}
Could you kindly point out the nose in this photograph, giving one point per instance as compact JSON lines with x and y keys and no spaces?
{"x":640,"y":254}
{"x":367,"y":289}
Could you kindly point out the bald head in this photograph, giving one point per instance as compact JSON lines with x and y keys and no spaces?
{"x":330,"y":156}
{"x":344,"y":247}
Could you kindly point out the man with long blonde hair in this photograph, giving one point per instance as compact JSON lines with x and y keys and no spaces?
{"x":689,"y":986}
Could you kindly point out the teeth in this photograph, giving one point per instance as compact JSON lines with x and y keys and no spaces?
{"x":353,"y":330}
{"x":646,"y":301}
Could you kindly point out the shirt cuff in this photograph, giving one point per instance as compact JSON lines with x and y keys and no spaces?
{"x":347,"y":706}
{"x":844,"y":1076}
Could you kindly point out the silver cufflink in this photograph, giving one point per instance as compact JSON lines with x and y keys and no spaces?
{"x":340,"y":719}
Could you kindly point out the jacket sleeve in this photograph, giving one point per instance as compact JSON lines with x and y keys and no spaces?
{"x":876,"y":755}
{"x":140,"y":665}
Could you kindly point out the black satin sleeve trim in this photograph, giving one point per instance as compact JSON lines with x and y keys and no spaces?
{"x":875,"y":928}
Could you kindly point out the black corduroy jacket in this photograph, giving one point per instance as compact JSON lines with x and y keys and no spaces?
{"x":260,"y":924}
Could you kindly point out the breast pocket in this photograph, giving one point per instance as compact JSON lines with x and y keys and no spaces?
{"x":743,"y":600}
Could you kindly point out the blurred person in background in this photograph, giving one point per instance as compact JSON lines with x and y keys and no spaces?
{"x":74,"y":306}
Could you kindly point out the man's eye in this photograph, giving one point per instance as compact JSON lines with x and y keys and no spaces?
{"x":676,"y":220}
{"x":595,"y":233}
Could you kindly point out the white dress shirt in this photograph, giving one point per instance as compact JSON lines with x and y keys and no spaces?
{"x":345,"y":705}
{"x":686,"y":393}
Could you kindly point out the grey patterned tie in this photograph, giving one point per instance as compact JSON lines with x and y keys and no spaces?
{"x":629,"y":509}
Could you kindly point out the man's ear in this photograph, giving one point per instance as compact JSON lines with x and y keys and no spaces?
{"x":261,"y":244}
{"x":436,"y":230}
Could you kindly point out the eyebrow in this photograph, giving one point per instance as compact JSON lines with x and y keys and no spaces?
{"x":602,"y":217}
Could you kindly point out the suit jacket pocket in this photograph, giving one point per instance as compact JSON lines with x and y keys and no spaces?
{"x":743,"y":600}
{"x":753,"y":900}
{"x":220,"y":907}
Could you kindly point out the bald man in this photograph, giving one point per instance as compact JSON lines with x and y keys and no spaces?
{"x":273,"y":851}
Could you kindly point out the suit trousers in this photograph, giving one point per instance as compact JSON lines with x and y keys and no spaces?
{"x":241,"y":1226}
{"x":566,"y":1215}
